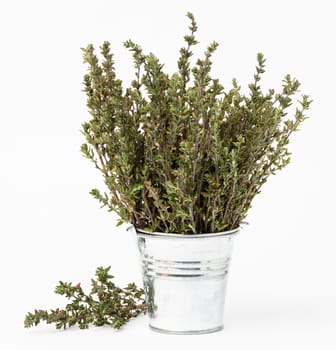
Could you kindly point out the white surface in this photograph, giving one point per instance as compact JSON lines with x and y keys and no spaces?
{"x":282,"y":289}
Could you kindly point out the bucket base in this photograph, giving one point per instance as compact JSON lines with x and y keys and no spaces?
{"x":203,"y":331}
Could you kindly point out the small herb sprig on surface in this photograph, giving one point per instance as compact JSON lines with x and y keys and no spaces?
{"x":106,"y":304}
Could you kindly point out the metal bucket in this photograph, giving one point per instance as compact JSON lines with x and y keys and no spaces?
{"x":185,"y":278}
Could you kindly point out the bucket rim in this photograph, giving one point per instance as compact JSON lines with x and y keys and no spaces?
{"x":141,"y":232}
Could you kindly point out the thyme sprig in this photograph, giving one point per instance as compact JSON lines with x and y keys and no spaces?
{"x":106,"y":304}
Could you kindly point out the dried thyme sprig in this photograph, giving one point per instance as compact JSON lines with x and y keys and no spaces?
{"x":106,"y":304}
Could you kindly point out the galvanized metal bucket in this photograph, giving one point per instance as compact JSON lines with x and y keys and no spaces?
{"x":185,"y":279}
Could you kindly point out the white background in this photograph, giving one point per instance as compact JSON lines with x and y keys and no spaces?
{"x":282,"y":288}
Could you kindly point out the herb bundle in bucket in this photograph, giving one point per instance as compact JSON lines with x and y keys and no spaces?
{"x":182,"y":159}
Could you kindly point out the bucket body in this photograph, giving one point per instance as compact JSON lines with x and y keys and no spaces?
{"x":185,"y":279}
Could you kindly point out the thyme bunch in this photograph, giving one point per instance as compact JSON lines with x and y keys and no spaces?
{"x":106,"y":304}
{"x":180,"y":153}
